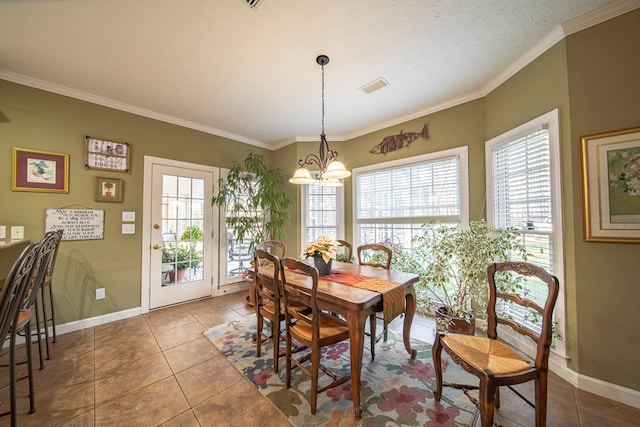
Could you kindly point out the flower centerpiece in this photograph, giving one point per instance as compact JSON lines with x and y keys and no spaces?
{"x":323,"y":251}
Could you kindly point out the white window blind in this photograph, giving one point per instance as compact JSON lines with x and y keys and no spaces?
{"x":322,"y":212}
{"x":394,"y":200}
{"x":524,"y":192}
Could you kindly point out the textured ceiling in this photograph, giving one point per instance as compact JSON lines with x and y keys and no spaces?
{"x":250,"y":74}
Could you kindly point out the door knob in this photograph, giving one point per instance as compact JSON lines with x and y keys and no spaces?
{"x":156,"y":226}
{"x":157,"y":246}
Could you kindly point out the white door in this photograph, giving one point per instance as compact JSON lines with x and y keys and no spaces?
{"x":183,"y":245}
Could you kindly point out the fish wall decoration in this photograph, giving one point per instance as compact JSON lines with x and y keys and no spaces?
{"x":401,"y":140}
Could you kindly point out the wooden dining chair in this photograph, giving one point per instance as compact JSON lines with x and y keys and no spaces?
{"x":348,"y":250}
{"x":12,"y":301}
{"x":376,"y":255}
{"x":309,"y":326}
{"x":269,"y":245}
{"x":268,"y":305}
{"x":498,"y":364}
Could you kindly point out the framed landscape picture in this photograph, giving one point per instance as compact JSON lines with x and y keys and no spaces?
{"x":39,"y":171}
{"x":611,"y":186}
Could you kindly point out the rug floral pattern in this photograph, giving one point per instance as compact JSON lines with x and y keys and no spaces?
{"x":395,"y":391}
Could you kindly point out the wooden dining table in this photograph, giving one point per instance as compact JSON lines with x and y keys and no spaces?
{"x":356,"y":305}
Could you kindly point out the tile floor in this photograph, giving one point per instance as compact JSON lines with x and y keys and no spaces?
{"x":159,"y":370}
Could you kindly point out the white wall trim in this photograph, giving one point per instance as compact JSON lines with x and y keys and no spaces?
{"x":79,"y":325}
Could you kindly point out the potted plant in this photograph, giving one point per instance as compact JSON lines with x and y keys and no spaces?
{"x":323,"y":251}
{"x":257,"y":205}
{"x":453,"y":265}
{"x":183,"y":254}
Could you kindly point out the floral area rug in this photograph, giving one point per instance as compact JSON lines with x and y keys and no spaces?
{"x":395,"y":391}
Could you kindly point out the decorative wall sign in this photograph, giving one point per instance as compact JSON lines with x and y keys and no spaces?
{"x":39,"y":171}
{"x":106,"y":155}
{"x":78,"y":224}
{"x":611,"y":186}
{"x":401,"y":140}
{"x":109,"y":189}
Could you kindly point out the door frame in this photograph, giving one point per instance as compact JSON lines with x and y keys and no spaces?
{"x":149,"y":161}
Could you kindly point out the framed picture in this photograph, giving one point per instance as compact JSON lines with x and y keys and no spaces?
{"x":109,"y":189}
{"x":42,"y":171}
{"x":107,"y":155}
{"x":611,"y":186}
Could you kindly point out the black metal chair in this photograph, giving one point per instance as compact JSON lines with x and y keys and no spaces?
{"x":13,"y":297}
{"x":47,"y":289}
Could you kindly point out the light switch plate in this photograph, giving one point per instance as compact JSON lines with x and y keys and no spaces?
{"x":17,"y":232}
{"x":128,"y":216}
{"x":128,"y":229}
{"x":3,"y":231}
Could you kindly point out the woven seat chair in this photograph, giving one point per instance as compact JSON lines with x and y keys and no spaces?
{"x":310,"y":327}
{"x":370,"y":254}
{"x":498,"y":364}
{"x":269,"y":245}
{"x":268,"y":306}
{"x":348,"y":250}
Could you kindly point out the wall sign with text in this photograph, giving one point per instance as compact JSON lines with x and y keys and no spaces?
{"x":106,"y":155}
{"x":78,"y":224}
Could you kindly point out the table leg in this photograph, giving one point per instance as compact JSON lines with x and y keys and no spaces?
{"x":410,"y":310}
{"x":356,"y":322}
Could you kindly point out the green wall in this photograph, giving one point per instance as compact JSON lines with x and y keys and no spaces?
{"x":591,"y":76}
{"x":604,"y":88}
{"x":40,"y":120}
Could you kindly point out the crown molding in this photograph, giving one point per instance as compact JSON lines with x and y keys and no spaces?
{"x":117,"y":105}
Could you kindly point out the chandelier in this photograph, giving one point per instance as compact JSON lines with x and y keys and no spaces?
{"x":330,"y":170}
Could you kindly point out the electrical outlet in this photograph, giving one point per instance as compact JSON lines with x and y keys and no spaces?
{"x":17,"y":232}
{"x":100,"y":294}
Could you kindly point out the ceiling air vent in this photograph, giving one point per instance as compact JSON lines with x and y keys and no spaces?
{"x":373,"y":86}
{"x":252,"y":3}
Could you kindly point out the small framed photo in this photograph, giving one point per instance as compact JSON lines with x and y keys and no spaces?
{"x":611,"y":186}
{"x":40,"y":171}
{"x":106,"y":155}
{"x":109,"y":189}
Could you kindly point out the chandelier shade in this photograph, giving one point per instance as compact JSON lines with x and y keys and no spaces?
{"x":329,"y":169}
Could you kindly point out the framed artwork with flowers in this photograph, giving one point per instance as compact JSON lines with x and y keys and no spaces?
{"x":109,"y":189}
{"x":611,"y":186}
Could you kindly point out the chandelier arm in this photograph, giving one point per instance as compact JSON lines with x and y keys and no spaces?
{"x":310,"y":160}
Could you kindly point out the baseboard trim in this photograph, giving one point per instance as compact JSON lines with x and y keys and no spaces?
{"x":97,"y":320}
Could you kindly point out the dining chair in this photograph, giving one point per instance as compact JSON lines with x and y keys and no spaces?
{"x":268,"y":305}
{"x":46,"y":290}
{"x":268,"y":246}
{"x":498,"y":364}
{"x":376,"y":255}
{"x":12,"y":300}
{"x":309,"y":326}
{"x":348,"y":250}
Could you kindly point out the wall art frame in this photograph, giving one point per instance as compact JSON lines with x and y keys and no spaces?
{"x":109,"y":189}
{"x":611,"y":186}
{"x":103,"y":154}
{"x":39,"y":171}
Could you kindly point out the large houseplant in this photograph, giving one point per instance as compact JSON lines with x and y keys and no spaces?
{"x":256,"y":203}
{"x":452,"y":267}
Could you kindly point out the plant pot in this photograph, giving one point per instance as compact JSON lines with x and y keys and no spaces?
{"x":177,"y":276}
{"x":456,"y":325}
{"x":324,"y":268}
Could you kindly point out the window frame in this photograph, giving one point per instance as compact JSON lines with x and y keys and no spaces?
{"x":461,"y":152}
{"x":340,"y":215}
{"x":551,"y":120}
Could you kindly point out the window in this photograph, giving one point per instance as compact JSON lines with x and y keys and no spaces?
{"x":322,"y":212}
{"x":393,"y":199}
{"x":523,"y":191}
